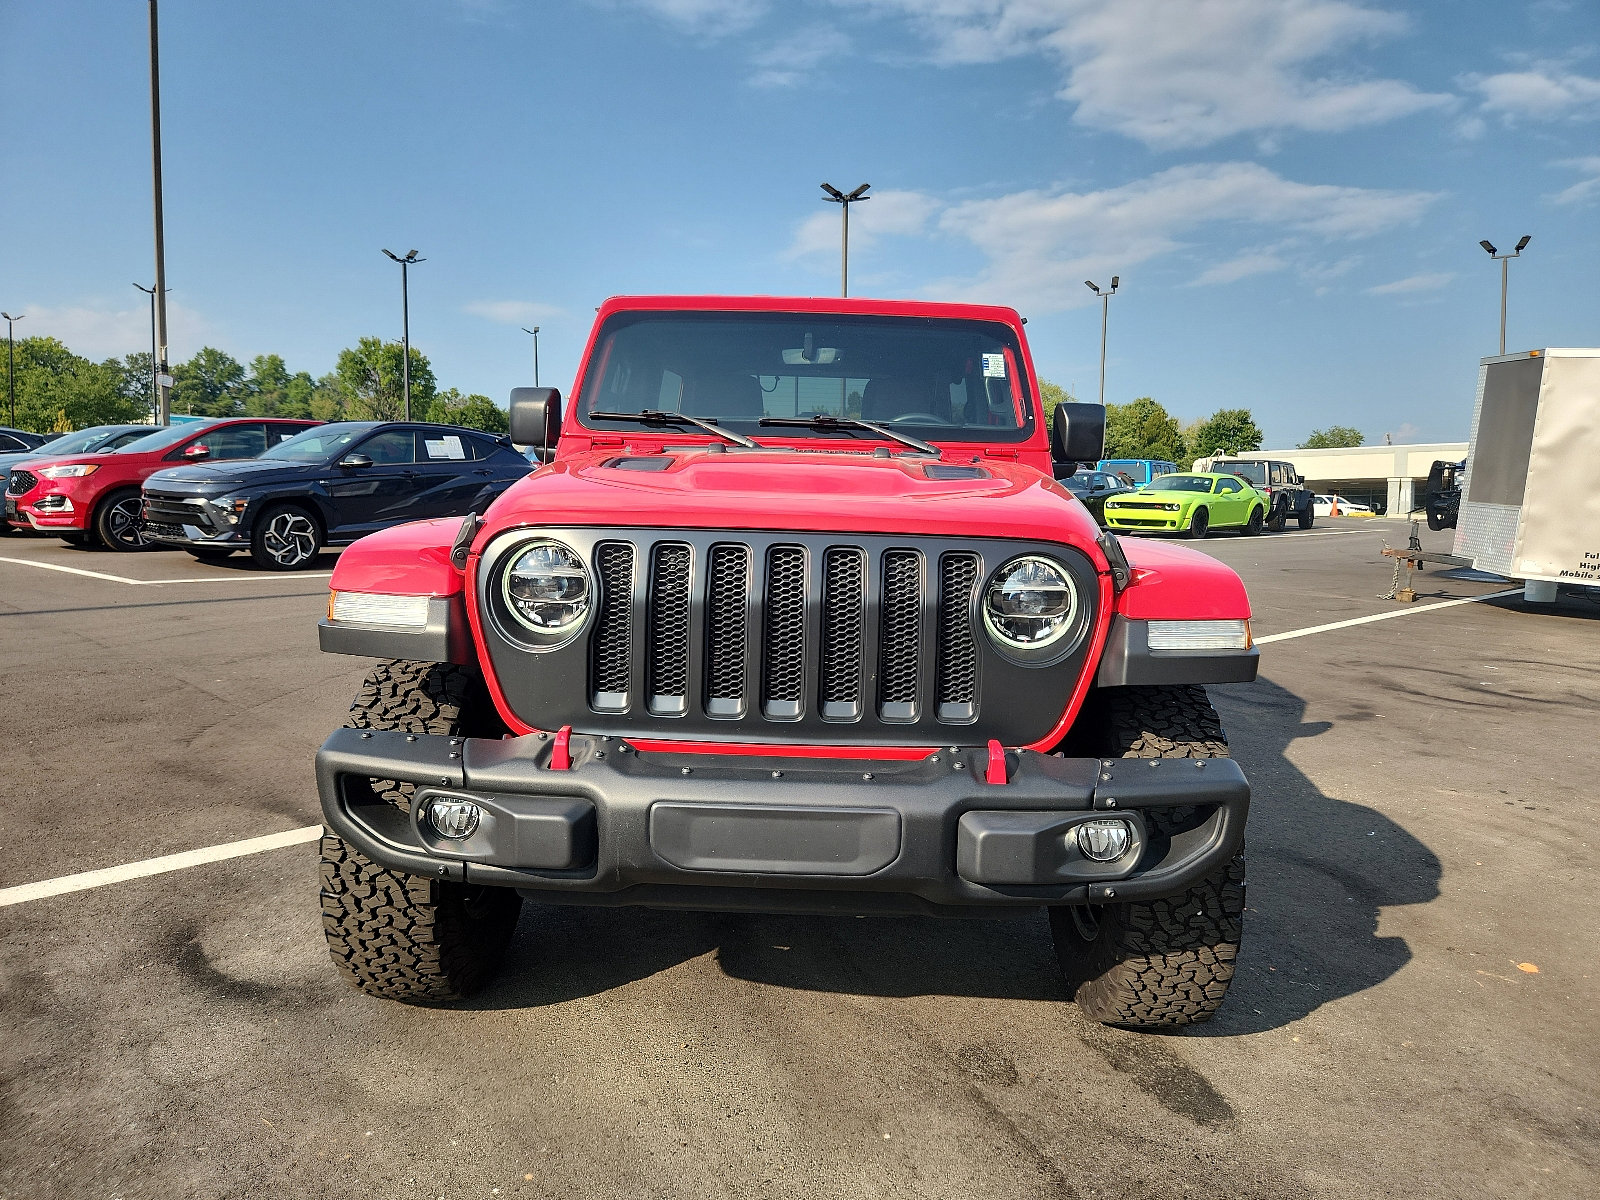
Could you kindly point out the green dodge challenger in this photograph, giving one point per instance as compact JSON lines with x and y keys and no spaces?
{"x":1193,"y":503}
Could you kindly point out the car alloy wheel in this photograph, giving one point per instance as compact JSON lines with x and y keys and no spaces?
{"x":124,"y":524}
{"x":290,"y":539}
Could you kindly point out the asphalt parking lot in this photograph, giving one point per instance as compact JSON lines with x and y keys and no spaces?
{"x":1414,"y":1013}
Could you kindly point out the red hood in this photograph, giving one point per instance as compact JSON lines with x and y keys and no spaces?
{"x":841,"y":492}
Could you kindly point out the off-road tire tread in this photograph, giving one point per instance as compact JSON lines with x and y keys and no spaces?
{"x":406,"y":937}
{"x":1162,"y":963}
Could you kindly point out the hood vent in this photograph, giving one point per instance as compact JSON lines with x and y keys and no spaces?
{"x":954,"y":471}
{"x":654,"y":462}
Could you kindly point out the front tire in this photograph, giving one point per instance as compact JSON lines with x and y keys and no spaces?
{"x":1257,"y":523}
{"x":119,"y":521}
{"x":404,"y":937}
{"x":1200,"y":523}
{"x":1164,"y":963}
{"x":286,"y":538}
{"x":1308,"y":518}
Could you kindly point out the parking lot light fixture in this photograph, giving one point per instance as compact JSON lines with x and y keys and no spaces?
{"x":155,"y":393}
{"x":1105,"y":313}
{"x":11,"y":361}
{"x":535,"y":332}
{"x":844,"y":200}
{"x":409,"y":259}
{"x":1505,"y":260}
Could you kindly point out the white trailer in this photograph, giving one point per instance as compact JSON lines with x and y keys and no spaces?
{"x":1530,"y":504}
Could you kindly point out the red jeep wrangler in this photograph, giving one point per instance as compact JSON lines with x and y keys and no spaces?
{"x":794,"y":618}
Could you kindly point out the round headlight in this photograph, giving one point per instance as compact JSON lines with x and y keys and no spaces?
{"x":546,"y":587}
{"x":1031,"y":603}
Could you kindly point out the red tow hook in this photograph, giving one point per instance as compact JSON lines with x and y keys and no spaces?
{"x":561,"y":752}
{"x":996,"y":772}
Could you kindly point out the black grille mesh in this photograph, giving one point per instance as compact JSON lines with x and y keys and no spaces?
{"x":900,"y":641}
{"x":727,"y":624}
{"x":843,"y":616}
{"x":669,"y":624}
{"x":785,"y":630}
{"x":613,"y":635}
{"x":958,"y":652}
{"x":21,"y":482}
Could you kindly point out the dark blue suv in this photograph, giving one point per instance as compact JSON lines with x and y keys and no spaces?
{"x":327,"y":487}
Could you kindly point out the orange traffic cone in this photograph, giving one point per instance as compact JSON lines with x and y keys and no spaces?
{"x":1333,"y":502}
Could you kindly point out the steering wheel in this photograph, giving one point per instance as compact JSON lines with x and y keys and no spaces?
{"x":915,"y":419}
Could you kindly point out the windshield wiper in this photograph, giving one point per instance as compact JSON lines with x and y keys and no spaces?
{"x":652,"y":416}
{"x":823,"y":423}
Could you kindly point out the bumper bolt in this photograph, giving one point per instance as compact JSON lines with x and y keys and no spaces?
{"x":455,"y":754}
{"x":777,"y":774}
{"x":599,"y":754}
{"x":688,"y":770}
{"x":935,"y":758}
{"x":1105,"y":774}
{"x":868,"y":777}
{"x":1111,"y":893}
{"x":366,"y":736}
{"x":411,"y":737}
{"x":1199,"y":764}
{"x":955,"y":766}
{"x":1111,"y":801}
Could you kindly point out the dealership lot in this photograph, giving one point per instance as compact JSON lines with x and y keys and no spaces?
{"x":1413,"y":1014}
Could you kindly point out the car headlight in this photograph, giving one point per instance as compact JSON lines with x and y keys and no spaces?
{"x":229,"y":508}
{"x":69,"y":471}
{"x":1172,"y":507}
{"x":546,"y":588}
{"x":1030,"y":603}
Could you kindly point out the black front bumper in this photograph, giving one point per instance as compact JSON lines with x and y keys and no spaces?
{"x":621,"y":826}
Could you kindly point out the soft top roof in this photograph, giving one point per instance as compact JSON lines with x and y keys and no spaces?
{"x":811,"y":304}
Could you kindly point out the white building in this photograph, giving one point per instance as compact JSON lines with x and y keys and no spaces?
{"x":1386,"y":477}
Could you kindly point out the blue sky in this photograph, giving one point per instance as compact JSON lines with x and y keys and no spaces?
{"x":1291,"y":190}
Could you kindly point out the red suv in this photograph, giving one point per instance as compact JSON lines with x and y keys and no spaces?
{"x":89,"y":497}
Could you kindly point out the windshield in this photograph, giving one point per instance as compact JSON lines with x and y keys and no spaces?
{"x":1179,"y":483}
{"x":322,"y":442}
{"x":1253,"y":472}
{"x":944,"y":380}
{"x":162,"y":438}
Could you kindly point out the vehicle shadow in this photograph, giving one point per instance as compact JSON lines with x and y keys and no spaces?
{"x":1321,"y":872}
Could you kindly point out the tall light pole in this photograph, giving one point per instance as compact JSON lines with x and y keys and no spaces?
{"x":405,"y":320}
{"x":844,"y":200}
{"x":1504,"y":261}
{"x":1105,"y":313}
{"x":11,"y":362}
{"x":155,"y":394}
{"x":163,"y":396}
{"x":535,"y":332}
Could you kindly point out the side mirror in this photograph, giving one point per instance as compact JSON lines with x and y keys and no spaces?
{"x":1078,"y":433}
{"x":536,"y":418}
{"x":197,"y":451}
{"x":355,"y":460}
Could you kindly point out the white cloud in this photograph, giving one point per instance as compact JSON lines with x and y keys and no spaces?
{"x":883,"y":214}
{"x":511,"y":312}
{"x":1412,"y":283}
{"x":1242,"y":267}
{"x":712,"y":17}
{"x":1188,"y":75}
{"x":1585,"y":189}
{"x":103,"y":331}
{"x":1544,"y":91}
{"x":792,"y":60}
{"x":1042,"y":244}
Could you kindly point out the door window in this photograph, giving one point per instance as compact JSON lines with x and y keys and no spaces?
{"x":1226,"y":487}
{"x":232,"y":441}
{"x":392,"y":447}
{"x":444,"y":446}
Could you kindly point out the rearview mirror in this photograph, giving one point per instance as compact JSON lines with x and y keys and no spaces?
{"x":355,"y":460}
{"x":536,"y":417}
{"x":1078,"y":433}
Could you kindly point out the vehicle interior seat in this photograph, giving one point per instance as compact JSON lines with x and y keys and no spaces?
{"x":732,"y":395}
{"x":891,"y":396}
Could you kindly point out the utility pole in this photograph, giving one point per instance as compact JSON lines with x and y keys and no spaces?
{"x":535,"y":332}
{"x":163,"y":377}
{"x":844,"y":200}
{"x":11,"y":362}
{"x":1105,"y":313}
{"x":1505,"y":260}
{"x":155,"y":394}
{"x":405,"y":321}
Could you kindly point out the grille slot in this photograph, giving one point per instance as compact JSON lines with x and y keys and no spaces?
{"x":668,"y":645}
{"x":844,"y":596}
{"x":613,"y":631}
{"x":21,"y":482}
{"x":958,"y":650}
{"x":727,"y":630}
{"x":784,"y":640}
{"x":900,"y":640}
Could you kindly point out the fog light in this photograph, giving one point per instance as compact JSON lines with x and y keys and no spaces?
{"x":1104,"y":841}
{"x":455,"y":819}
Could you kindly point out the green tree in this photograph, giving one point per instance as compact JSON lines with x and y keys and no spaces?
{"x":57,"y":388}
{"x":1143,"y":429}
{"x":211,"y":384}
{"x":1232,"y":430}
{"x":1053,"y":394}
{"x":370,"y":379}
{"x":324,"y":398}
{"x":1334,"y":437}
{"x":450,"y":407}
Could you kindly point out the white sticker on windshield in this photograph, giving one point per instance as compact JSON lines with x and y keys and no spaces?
{"x":994,"y":366}
{"x":448,"y":446}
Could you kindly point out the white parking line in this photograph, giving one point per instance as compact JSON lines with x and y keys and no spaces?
{"x":239,"y":578}
{"x":1383,"y":616}
{"x":24,"y":892}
